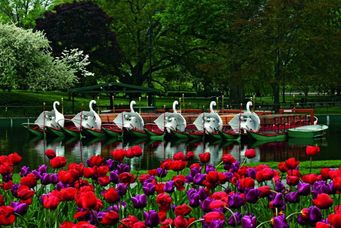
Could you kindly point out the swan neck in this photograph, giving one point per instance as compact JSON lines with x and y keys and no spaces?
{"x":174,"y":106}
{"x":90,"y":105}
{"x":211,"y":106}
{"x":131,"y":106}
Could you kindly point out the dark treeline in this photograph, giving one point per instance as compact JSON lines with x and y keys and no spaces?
{"x":212,"y":47}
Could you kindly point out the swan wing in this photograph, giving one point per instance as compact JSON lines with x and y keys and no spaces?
{"x":161,"y":120}
{"x":235,"y":122}
{"x":199,"y":122}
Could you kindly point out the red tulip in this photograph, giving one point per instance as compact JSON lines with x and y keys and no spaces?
{"x":189,"y":155}
{"x":67,"y":194}
{"x":312,"y":150}
{"x":264,"y":190}
{"x":337,"y":183}
{"x":213,"y":216}
{"x":167,"y":223}
{"x":292,"y":180}
{"x":179,"y":182}
{"x":89,"y":172}
{"x":246,"y":182}
{"x":126,"y":178}
{"x":205,"y":157}
{"x":58,"y":162}
{"x":282,"y":167}
{"x":250,"y":153}
{"x":24,"y":192}
{"x":95,"y":160}
{"x":228,"y":158}
{"x":14,"y":158}
{"x":335,"y":220}
{"x":323,"y":201}
{"x":129,"y":221}
{"x":137,"y":150}
{"x":179,"y":156}
{"x":50,"y":201}
{"x":7,"y":216}
{"x":322,"y":225}
{"x":103,"y":181}
{"x":50,"y":153}
{"x":182,"y":222}
{"x":110,"y":218}
{"x":178,"y":165}
{"x":65,"y":177}
{"x":86,"y":200}
{"x":309,"y":178}
{"x":111,"y":195}
{"x":292,"y":163}
{"x":118,"y":154}
{"x":183,"y":210}
{"x":325,"y":173}
{"x":30,"y":180}
{"x":164,"y":201}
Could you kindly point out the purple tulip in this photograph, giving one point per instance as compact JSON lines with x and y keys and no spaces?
{"x":235,"y":219}
{"x":139,"y":201}
{"x":278,"y":200}
{"x":169,"y":186}
{"x":202,"y":193}
{"x":235,"y":166}
{"x":249,"y":221}
{"x":215,"y":224}
{"x":251,"y":172}
{"x":37,"y":174}
{"x":121,"y":189}
{"x":303,"y":188}
{"x":235,"y":201}
{"x":292,"y":197}
{"x":194,"y":171}
{"x":45,"y":179}
{"x":161,"y":172}
{"x":7,"y":177}
{"x":199,"y":178}
{"x":24,"y":171}
{"x":148,"y":188}
{"x":205,"y":204}
{"x":53,"y":178}
{"x":280,"y":222}
{"x":252,"y":195}
{"x":279,"y":186}
{"x":151,"y":218}
{"x":42,"y":169}
{"x":315,"y":214}
{"x":121,"y":168}
{"x":110,"y":163}
{"x":19,"y":208}
{"x":210,"y":167}
{"x":113,"y":176}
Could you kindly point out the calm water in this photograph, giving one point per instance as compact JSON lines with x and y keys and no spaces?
{"x":17,"y":139}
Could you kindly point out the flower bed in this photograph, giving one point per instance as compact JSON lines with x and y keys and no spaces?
{"x":180,"y":193}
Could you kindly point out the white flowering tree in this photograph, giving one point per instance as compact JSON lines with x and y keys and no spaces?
{"x":26,"y":61}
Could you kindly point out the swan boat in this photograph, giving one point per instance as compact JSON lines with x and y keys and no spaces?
{"x":268,"y":136}
{"x":131,"y":123}
{"x":172,"y":124}
{"x":85,"y":122}
{"x":47,"y":122}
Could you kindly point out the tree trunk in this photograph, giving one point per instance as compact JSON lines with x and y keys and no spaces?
{"x":275,"y":90}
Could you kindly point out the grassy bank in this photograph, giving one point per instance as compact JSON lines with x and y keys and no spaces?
{"x":30,"y":104}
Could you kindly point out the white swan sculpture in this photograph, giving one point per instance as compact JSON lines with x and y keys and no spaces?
{"x":51,"y":118}
{"x":129,"y":120}
{"x":171,"y":121}
{"x":209,"y":121}
{"x":246,"y":121}
{"x":88,"y":119}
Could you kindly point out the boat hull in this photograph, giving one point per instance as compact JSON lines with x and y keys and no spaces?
{"x":134,"y":134}
{"x":309,"y":131}
{"x":55,"y":132}
{"x":93,"y":133}
{"x":155,"y":136}
{"x":175,"y":135}
{"x":74,"y":132}
{"x":34,"y":130}
{"x":229,"y":135}
{"x":112,"y":133}
{"x":268,"y":137}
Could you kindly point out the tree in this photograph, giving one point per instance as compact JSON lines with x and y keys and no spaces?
{"x":84,"y":25}
{"x":26,"y":63}
{"x":23,"y":12}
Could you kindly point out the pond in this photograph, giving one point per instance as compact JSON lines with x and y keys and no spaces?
{"x":15,"y":138}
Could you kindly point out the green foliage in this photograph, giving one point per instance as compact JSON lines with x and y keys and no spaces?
{"x":26,"y":62}
{"x":85,"y":26}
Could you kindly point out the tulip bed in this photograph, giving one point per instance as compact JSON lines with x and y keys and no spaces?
{"x":180,"y":193}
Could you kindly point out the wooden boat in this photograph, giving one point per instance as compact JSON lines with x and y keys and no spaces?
{"x":53,"y":131}
{"x":308,"y":131}
{"x":71,"y":129}
{"x":176,"y":135}
{"x":34,"y":129}
{"x":267,"y":136}
{"x":194,"y":133}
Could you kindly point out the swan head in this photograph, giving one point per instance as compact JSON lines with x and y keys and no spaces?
{"x":132,"y":103}
{"x":92,"y":102}
{"x":175,"y":103}
{"x":248,"y":104}
{"x":213,"y":103}
{"x":56,"y":103}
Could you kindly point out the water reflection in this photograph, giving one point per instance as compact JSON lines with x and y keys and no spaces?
{"x":32,"y":149}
